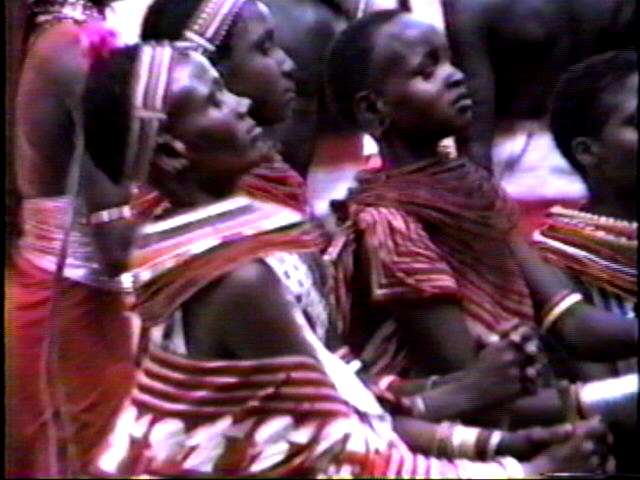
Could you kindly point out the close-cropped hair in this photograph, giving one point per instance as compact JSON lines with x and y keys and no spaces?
{"x":167,"y":20}
{"x":349,"y":65}
{"x":577,"y":106}
{"x":106,"y":105}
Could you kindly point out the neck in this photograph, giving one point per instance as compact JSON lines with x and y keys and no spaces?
{"x":613,"y":203}
{"x":399,"y":152}
{"x":184,"y":191}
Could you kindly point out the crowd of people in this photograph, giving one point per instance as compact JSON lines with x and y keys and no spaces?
{"x":190,"y":295}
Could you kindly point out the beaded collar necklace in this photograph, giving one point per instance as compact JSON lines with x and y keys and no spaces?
{"x":609,"y":228}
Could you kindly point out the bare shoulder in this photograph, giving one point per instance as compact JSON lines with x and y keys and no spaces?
{"x":60,"y":52}
{"x":255,"y":277}
{"x":263,"y":324}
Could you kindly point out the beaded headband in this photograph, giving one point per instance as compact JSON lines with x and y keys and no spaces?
{"x":148,"y":106}
{"x":75,"y":10}
{"x":211,"y":22}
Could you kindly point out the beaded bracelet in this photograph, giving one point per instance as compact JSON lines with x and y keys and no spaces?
{"x":570,"y":398}
{"x":460,"y":441}
{"x":414,"y":404}
{"x":108,"y":215}
{"x":431,"y":382}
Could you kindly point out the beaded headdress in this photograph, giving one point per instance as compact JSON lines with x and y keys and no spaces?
{"x":75,"y":10}
{"x":211,"y":22}
{"x":148,"y":106}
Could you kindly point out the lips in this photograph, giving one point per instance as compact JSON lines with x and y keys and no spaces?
{"x":254,"y":132}
{"x":462,"y":103}
{"x":463,"y":99}
{"x":290,"y":90}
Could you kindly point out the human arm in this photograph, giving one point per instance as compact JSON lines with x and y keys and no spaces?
{"x":502,"y":372}
{"x":564,"y":448}
{"x":588,"y":333}
{"x":245,"y":315}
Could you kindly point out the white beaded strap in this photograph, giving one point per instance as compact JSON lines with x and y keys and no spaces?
{"x":210,"y":23}
{"x":148,"y":107}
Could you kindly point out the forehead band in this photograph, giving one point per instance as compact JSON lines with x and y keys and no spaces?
{"x":148,"y":106}
{"x":210,"y":23}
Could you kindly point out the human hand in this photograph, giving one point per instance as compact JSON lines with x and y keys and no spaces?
{"x":506,"y":370}
{"x":526,"y":443}
{"x":584,"y":452}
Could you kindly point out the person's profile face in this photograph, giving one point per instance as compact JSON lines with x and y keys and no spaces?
{"x":258,"y":68}
{"x":412,"y":71}
{"x":220,"y":139}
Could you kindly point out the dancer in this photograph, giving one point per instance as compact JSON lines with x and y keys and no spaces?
{"x":52,"y":325}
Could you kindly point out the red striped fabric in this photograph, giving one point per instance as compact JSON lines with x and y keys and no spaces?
{"x":438,"y":228}
{"x":161,"y":296}
{"x":275,"y":181}
{"x":277,"y":417}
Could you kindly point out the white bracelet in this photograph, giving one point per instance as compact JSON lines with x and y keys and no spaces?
{"x":559,"y":309}
{"x":494,"y":441}
{"x":464,"y":441}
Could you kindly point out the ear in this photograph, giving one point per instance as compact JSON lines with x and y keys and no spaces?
{"x":586,"y":150}
{"x":371,"y":113}
{"x":171,"y":146}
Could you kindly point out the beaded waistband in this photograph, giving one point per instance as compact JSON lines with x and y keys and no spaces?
{"x":43,"y":222}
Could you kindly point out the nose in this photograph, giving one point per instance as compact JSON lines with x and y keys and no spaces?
{"x":241,"y":105}
{"x":455,"y":78}
{"x":287,"y":65}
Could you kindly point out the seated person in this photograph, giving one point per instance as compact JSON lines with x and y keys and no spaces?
{"x":426,"y":240}
{"x":260,"y":394}
{"x":594,"y":122}
{"x":237,"y":36}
